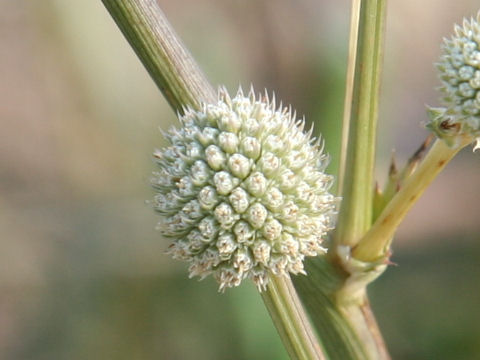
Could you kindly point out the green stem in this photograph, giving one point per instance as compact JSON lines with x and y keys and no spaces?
{"x":166,"y":59}
{"x":180,"y":79}
{"x":376,"y":242}
{"x":360,"y":120}
{"x":290,"y":320}
{"x":339,"y":308}
{"x":318,"y":294}
{"x":334,"y":292}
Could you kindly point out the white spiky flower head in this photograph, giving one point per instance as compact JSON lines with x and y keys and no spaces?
{"x":243,"y":191}
{"x":459,"y":71}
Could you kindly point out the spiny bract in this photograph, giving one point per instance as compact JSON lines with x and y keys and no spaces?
{"x":242,"y":191}
{"x":459,"y":72}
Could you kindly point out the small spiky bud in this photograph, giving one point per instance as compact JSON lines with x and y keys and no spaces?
{"x":459,"y":72}
{"x":243,"y":191}
{"x":396,"y":178}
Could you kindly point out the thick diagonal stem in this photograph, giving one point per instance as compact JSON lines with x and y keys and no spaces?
{"x":290,"y":319}
{"x":183,"y":84}
{"x":166,"y":59}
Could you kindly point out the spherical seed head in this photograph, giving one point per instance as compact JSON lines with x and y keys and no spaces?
{"x":243,"y":192}
{"x":459,"y":72}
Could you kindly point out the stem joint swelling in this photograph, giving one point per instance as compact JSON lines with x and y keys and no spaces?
{"x":360,"y":274}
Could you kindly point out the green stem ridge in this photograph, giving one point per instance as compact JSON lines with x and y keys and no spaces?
{"x":181,"y":81}
{"x":318,"y":294}
{"x":360,"y":120}
{"x":376,"y":242}
{"x":290,"y":319}
{"x":166,"y":59}
{"x":337,"y":303}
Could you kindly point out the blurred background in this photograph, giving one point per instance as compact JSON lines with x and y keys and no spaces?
{"x":82,"y":270}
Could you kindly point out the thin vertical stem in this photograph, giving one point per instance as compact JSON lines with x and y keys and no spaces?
{"x":360,"y":119}
{"x":349,"y":86}
{"x":349,"y":319}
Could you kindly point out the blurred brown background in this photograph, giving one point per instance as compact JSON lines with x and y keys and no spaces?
{"x":82,"y":270}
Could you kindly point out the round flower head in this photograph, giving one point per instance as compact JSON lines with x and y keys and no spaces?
{"x":242,"y":191}
{"x":459,"y":71}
